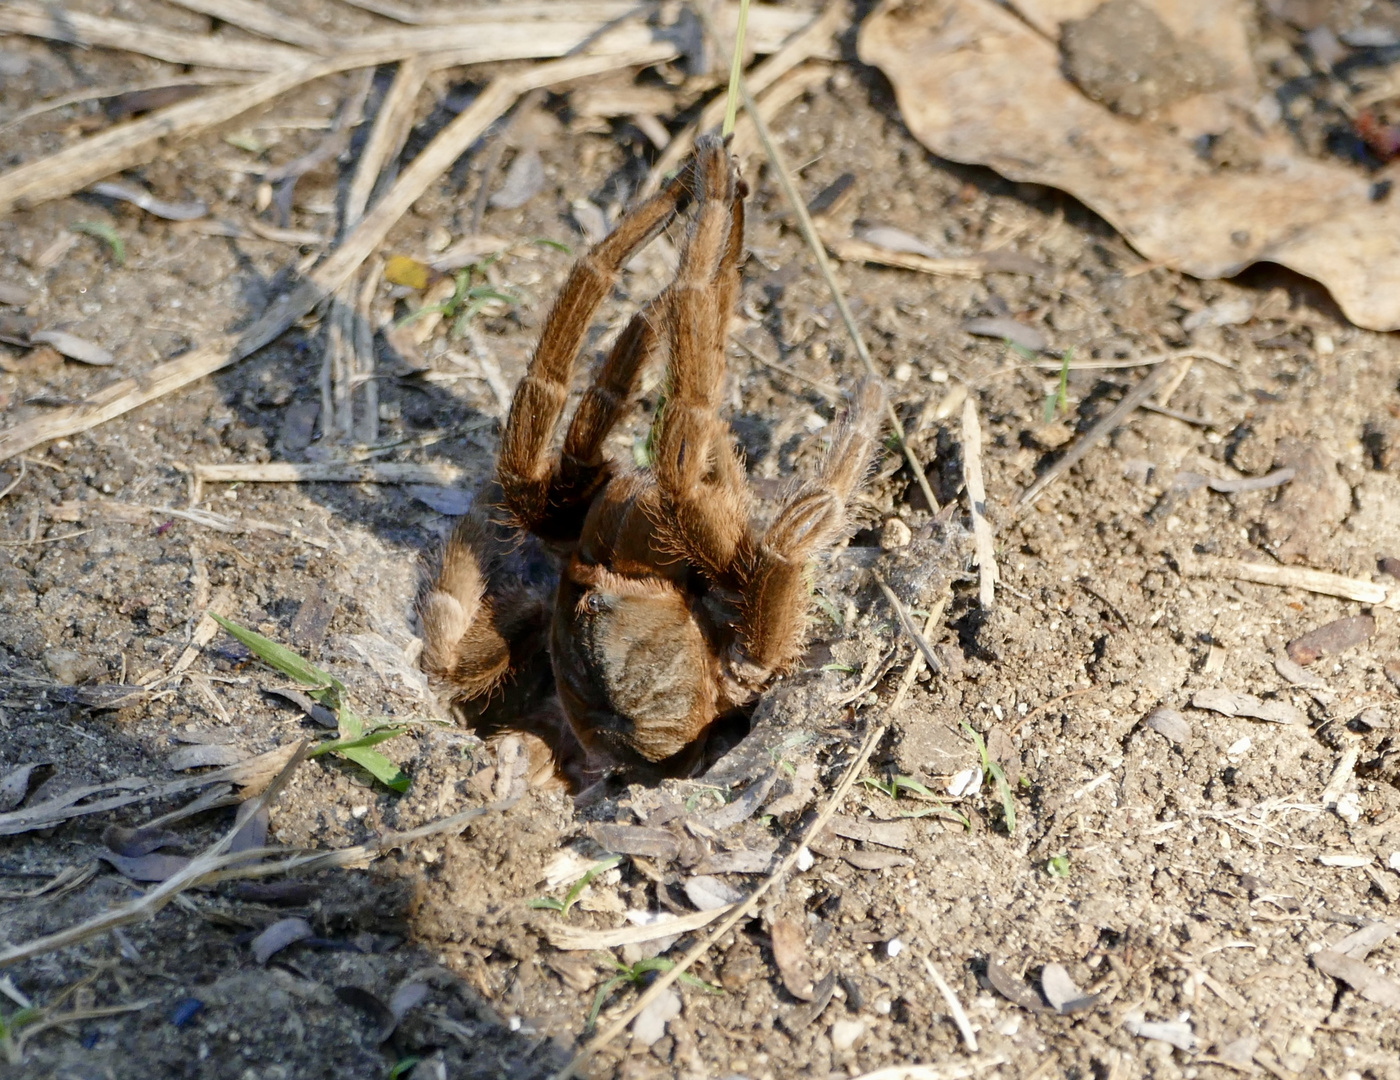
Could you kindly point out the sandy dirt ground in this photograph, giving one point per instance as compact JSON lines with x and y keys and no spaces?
{"x":1125,"y":884}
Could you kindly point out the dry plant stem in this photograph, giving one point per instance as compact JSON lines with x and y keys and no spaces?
{"x":813,"y":40}
{"x":328,"y":472}
{"x":142,"y":908}
{"x":902,"y":613}
{"x":850,"y":249}
{"x":207,"y":50}
{"x":127,"y":394}
{"x":1135,"y":397}
{"x":387,"y":136}
{"x":1298,"y":577}
{"x":987,"y":573}
{"x":261,"y":19}
{"x":783,"y":93}
{"x":916,"y":665}
{"x":740,"y":911}
{"x":809,"y":233}
{"x":200,"y":78}
{"x":954,"y":1005}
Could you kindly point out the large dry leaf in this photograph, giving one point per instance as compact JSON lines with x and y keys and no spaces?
{"x":976,"y":84}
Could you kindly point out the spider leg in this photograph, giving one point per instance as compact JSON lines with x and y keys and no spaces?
{"x":698,"y":470}
{"x":775,"y":595}
{"x":526,"y":468}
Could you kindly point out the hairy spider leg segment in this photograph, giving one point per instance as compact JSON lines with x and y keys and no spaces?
{"x":772,"y":632}
{"x":526,"y":467}
{"x":704,"y":492}
{"x":461,"y":643}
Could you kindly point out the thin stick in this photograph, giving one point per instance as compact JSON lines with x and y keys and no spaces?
{"x":987,"y":573}
{"x":740,"y":912}
{"x":78,"y":28}
{"x":386,"y":137}
{"x":328,"y":472}
{"x":916,"y":665}
{"x":100,"y":93}
{"x":1135,"y":397}
{"x":23,"y":469}
{"x":261,"y":19}
{"x":902,"y":613}
{"x":809,"y":233}
{"x":1298,"y":577}
{"x":736,"y":72}
{"x":954,"y":1005}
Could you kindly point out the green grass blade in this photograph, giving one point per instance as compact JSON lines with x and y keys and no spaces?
{"x":104,"y":232}
{"x":289,"y":663}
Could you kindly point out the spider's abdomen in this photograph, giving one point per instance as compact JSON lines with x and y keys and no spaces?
{"x":632,"y":666}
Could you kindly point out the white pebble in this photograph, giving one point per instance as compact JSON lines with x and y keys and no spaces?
{"x":894,"y":947}
{"x":844,"y":1033}
{"x":805,"y":859}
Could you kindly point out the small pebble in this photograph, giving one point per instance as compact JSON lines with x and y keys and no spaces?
{"x":844,"y":1033}
{"x":894,"y":947}
{"x":895,"y":534}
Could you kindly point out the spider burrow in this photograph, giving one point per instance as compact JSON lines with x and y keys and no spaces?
{"x":617,"y":613}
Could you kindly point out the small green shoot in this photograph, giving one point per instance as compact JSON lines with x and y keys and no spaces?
{"x":354,"y":743}
{"x":844,"y":669}
{"x":10,"y":1026}
{"x":1020,"y":350}
{"x":472,"y":293}
{"x":552,"y":903}
{"x":106,"y":234}
{"x":736,"y":71}
{"x":554,"y":245}
{"x":998,"y":775}
{"x":1058,"y":399}
{"x":895,"y":784}
{"x":403,"y":1067}
{"x":830,"y":610}
{"x":1058,"y":866}
{"x":635,"y":974}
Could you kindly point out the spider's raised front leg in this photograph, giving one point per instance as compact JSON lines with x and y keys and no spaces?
{"x":704,"y":492}
{"x":542,"y":493}
{"x":773,"y":629}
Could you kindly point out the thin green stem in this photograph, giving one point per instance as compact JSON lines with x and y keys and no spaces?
{"x":736,"y":71}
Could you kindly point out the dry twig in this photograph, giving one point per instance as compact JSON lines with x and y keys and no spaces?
{"x":987,"y":574}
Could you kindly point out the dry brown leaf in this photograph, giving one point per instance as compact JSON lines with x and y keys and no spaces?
{"x":977,"y":84}
{"x":790,"y":954}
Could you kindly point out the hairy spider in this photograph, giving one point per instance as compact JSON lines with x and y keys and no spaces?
{"x":670,"y":608}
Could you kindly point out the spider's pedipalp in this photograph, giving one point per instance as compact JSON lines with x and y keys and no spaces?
{"x":812,"y":517}
{"x":527,"y":466}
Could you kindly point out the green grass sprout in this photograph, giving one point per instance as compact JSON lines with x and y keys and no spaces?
{"x":736,"y":70}
{"x":1058,"y":399}
{"x":552,"y":903}
{"x":998,"y":774}
{"x":635,"y":973}
{"x":354,"y":742}
{"x":106,"y":234}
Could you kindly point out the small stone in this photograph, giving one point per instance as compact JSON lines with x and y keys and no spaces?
{"x":71,"y":668}
{"x":651,"y":1022}
{"x":1170,"y":724}
{"x":1331,"y":638}
{"x":895,"y":534}
{"x":844,"y":1033}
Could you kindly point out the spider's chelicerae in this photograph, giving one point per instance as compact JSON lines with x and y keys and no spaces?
{"x":635,"y":607}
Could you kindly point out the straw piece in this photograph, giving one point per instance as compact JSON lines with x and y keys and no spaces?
{"x":99,"y":93}
{"x":954,"y":1005}
{"x":1298,"y":577}
{"x":987,"y":573}
{"x":329,"y":472}
{"x":781,"y":94}
{"x":261,"y":19}
{"x":126,"y":145}
{"x":77,"y":28}
{"x":850,"y":249}
{"x":387,"y":135}
{"x":573,"y":938}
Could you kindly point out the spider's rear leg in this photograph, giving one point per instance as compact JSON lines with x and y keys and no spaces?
{"x":526,"y":468}
{"x":698,"y":469}
{"x":773,"y":631}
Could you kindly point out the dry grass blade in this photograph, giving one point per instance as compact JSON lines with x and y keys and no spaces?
{"x":791,"y":87}
{"x":77,"y":28}
{"x":987,"y":573}
{"x":739,"y":912}
{"x":126,"y":145}
{"x":812,"y":41}
{"x":329,"y":472}
{"x":387,"y":135}
{"x":1134,"y":397}
{"x":809,"y":233}
{"x":1299,"y":577}
{"x":954,"y":1005}
{"x":99,"y":93}
{"x":144,"y":907}
{"x":261,"y":19}
{"x":850,"y":249}
{"x":902,"y":613}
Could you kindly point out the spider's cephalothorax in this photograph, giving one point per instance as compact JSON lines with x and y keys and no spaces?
{"x":672,"y":608}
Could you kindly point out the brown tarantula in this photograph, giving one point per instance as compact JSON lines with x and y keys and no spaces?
{"x":671,"y":608}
